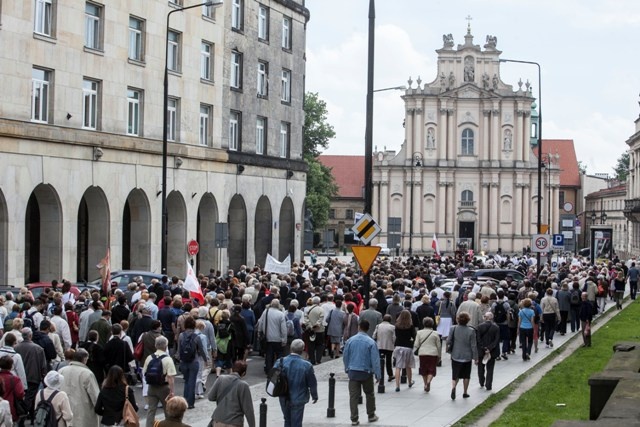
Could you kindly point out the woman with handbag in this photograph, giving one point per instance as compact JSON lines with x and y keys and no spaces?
{"x":112,"y":397}
{"x":402,"y":352}
{"x":428,"y":347}
{"x":13,"y":391}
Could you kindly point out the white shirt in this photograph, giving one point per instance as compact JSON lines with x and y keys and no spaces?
{"x":62,"y":329}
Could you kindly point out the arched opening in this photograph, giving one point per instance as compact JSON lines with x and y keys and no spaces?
{"x":176,"y":235}
{"x":237,"y":232}
{"x":43,"y":236}
{"x":136,"y":232}
{"x":286,"y":226}
{"x":206,"y":234}
{"x":93,"y":233}
{"x":264,"y":230}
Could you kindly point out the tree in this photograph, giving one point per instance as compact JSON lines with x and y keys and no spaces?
{"x":622,"y":167}
{"x":317,"y":131}
{"x":321,"y":185}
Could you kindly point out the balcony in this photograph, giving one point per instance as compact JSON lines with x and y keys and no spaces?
{"x":632,"y":210}
{"x":469,"y":204}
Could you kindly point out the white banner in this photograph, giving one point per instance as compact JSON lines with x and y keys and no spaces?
{"x":272,"y":265}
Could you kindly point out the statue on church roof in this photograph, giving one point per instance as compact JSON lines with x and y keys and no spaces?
{"x":469,"y":70}
{"x":492,"y":41}
{"x":485,"y":81}
{"x":452,"y":80}
{"x":448,"y":41}
{"x":495,"y":81}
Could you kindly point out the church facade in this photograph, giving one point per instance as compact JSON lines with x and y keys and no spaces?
{"x":467,"y":171}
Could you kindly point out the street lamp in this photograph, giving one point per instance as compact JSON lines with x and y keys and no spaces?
{"x":548,"y":161}
{"x":391,"y":88}
{"x":417,"y":162}
{"x":165,"y":122}
{"x":539,"y":135}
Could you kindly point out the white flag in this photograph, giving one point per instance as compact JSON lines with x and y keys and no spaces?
{"x":434,"y":245}
{"x":191,"y":284}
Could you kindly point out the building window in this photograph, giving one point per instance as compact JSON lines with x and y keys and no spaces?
{"x":90,"y":104}
{"x":209,"y":12}
{"x":332,"y":214}
{"x":205,"y":60}
{"x":172,"y":119}
{"x":237,"y":12}
{"x":263,"y":71}
{"x":349,"y":214}
{"x":235,"y":124}
{"x":286,"y":32}
{"x":173,"y":52}
{"x":134,"y":118}
{"x":466,"y":199}
{"x":284,"y":139}
{"x":136,"y":39}
{"x":43,"y":18}
{"x":467,"y":142}
{"x":261,"y":134}
{"x":236,"y":70}
{"x":40,"y":95}
{"x":205,"y":125}
{"x":93,"y":26}
{"x":263,"y":23}
{"x":285,"y":93}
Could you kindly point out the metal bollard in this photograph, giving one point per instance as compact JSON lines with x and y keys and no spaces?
{"x":331,"y":410}
{"x":381,"y":382}
{"x":263,"y":412}
{"x":403,"y":377}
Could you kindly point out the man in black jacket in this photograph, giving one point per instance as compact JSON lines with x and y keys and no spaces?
{"x":117,"y":351}
{"x":41,"y":338}
{"x":488,"y":347}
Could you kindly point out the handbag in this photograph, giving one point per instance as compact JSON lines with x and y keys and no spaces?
{"x":129,"y":415}
{"x":138,"y":351}
{"x":450,"y":342}
{"x":277,"y":383}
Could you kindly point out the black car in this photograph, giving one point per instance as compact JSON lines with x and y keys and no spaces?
{"x":124,"y":277}
{"x":498,"y":274}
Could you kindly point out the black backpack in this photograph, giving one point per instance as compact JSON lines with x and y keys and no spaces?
{"x":154,"y":375}
{"x":223,"y":330}
{"x":45,"y":413}
{"x":500,"y":313}
{"x":188,"y":348}
{"x":27,"y":319}
{"x":575,"y":297}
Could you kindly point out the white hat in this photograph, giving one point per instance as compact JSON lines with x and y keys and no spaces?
{"x":54,"y":380}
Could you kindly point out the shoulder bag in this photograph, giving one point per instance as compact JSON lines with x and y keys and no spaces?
{"x":450,"y":342}
{"x":277,"y":383}
{"x":129,"y":415}
{"x":415,"y":352}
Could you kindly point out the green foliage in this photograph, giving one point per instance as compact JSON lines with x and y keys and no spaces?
{"x":567,"y":382}
{"x":317,"y":131}
{"x":321,"y":185}
{"x":622,"y":167}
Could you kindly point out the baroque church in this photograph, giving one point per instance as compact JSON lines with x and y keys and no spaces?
{"x":467,"y":172}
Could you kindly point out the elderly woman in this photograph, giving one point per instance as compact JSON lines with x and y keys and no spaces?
{"x":60,"y":401}
{"x":463,"y":346}
{"x":446,"y":310}
{"x":402,"y":353}
{"x":385,"y":336}
{"x":429,"y":348}
{"x":174,"y":412}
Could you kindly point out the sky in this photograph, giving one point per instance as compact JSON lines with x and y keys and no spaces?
{"x":587,"y":49}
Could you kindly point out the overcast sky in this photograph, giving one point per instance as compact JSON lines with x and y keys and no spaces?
{"x":588,"y":50}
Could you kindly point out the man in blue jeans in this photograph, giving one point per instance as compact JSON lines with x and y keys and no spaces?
{"x":361,"y":360}
{"x":302,"y":383}
{"x":633,"y":275}
{"x":189,"y":360}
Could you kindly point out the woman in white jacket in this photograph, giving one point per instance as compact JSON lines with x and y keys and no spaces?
{"x":429,"y":348}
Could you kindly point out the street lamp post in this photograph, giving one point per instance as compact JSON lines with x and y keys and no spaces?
{"x":539,"y":135}
{"x":165,"y":122}
{"x":547,"y":163}
{"x":417,"y":162}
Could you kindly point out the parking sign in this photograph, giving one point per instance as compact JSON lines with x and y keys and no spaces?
{"x":558,"y":241}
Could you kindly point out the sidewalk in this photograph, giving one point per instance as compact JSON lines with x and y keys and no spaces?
{"x":409,"y":407}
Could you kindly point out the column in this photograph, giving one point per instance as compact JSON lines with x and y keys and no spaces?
{"x":484,"y":209}
{"x":518,"y":134}
{"x":442,"y":137}
{"x":442,"y":208}
{"x":526,"y":148}
{"x":493,"y":221}
{"x":453,"y":146}
{"x":408,"y":132}
{"x":517,"y":210}
{"x":418,"y":129}
{"x":417,"y":212}
{"x":526,"y":209}
{"x":495,"y":135}
{"x":451,"y":208}
{"x":375,"y":199}
{"x":486,"y":142}
{"x":383,"y":215}
{"x":407,"y":216}
{"x":555,"y":209}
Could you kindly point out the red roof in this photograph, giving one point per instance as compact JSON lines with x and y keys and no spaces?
{"x":569,"y":172}
{"x":348,"y":172}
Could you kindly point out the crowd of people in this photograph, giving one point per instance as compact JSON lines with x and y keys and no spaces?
{"x":83,"y":354}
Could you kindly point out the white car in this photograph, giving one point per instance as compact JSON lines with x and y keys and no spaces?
{"x":384,"y":250}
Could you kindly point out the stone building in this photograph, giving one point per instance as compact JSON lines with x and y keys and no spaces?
{"x":81,"y":129}
{"x":605,"y":208}
{"x":632,"y":201}
{"x":466,"y":171}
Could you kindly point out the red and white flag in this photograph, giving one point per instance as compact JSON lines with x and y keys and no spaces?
{"x":105,"y":272}
{"x":192,"y":285}
{"x":434,"y":245}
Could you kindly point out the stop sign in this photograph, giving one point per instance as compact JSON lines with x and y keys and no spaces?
{"x":193,"y":247}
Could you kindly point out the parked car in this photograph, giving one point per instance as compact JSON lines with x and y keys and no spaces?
{"x":584,"y":252}
{"x":384,"y":250}
{"x":498,"y":274}
{"x":38,"y":288}
{"x":124,"y":277}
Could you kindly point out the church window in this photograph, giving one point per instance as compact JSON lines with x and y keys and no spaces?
{"x":467,"y":143}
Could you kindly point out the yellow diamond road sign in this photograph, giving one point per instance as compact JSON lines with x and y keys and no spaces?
{"x":366,"y":229}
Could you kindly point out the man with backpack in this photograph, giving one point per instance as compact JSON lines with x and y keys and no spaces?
{"x":35,"y":366}
{"x":52,"y":405}
{"x":189,"y":347}
{"x":159,"y":373}
{"x":575,"y":301}
{"x":500,"y":310}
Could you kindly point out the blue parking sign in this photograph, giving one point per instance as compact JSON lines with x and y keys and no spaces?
{"x":558,"y":240}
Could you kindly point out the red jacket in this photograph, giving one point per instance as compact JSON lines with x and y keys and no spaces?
{"x":13,"y":389}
